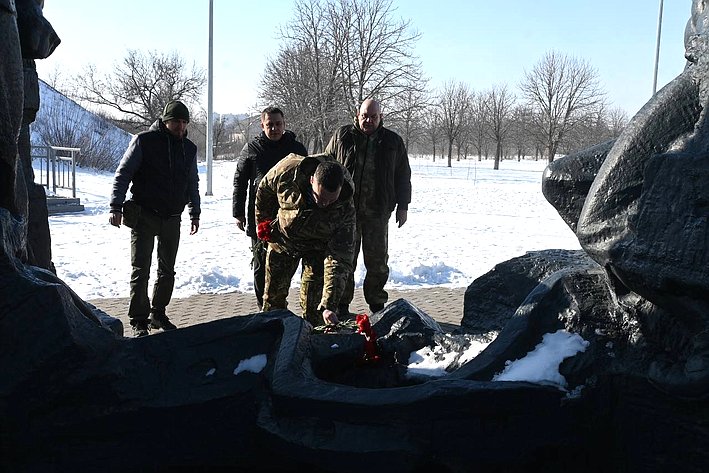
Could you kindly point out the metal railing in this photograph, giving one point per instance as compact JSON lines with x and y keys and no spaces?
{"x":59,"y":163}
{"x":43,"y":155}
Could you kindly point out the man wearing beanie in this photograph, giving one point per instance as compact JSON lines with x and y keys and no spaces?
{"x":161,"y":167}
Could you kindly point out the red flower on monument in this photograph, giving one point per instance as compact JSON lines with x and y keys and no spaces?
{"x":370,"y":337}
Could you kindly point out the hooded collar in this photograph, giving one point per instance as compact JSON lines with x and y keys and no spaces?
{"x":159,"y":125}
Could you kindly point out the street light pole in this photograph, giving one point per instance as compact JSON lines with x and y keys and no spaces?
{"x":657,"y":50}
{"x":209,"y":105}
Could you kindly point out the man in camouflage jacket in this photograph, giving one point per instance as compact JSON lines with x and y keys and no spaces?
{"x":377,"y":160}
{"x":304,"y":209}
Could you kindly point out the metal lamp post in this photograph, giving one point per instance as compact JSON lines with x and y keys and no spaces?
{"x":209,"y":106}
{"x":657,"y":49}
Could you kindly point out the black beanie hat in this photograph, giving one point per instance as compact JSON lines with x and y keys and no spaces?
{"x":175,"y":110}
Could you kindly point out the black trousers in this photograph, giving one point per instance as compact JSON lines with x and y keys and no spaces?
{"x":148,"y":228}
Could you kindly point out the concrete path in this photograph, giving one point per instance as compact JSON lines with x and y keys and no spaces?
{"x":443,"y":304}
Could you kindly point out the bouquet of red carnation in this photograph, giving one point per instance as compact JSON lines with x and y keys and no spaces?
{"x":370,"y":337}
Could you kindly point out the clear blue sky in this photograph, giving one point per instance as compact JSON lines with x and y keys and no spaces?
{"x":481,"y":42}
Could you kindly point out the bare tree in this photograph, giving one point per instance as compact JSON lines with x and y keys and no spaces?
{"x":563,"y":91}
{"x":304,"y":77}
{"x":464,"y":139}
{"x":377,"y":52}
{"x":60,"y":81}
{"x":520,"y":136}
{"x":453,"y":103}
{"x":343,"y":52}
{"x":617,"y":121}
{"x":140,"y":86}
{"x":412,"y":105}
{"x":499,"y":104}
{"x":222,"y":130}
{"x":599,"y":127}
{"x":295,"y":82}
{"x":479,"y":122}
{"x":432,"y":126}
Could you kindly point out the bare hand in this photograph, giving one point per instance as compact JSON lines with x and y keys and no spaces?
{"x":115,"y":219}
{"x":194,"y":226}
{"x":241,"y":222}
{"x":329,"y":317}
{"x":401,"y":215}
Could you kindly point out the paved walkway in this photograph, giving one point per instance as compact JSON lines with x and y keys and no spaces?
{"x":443,"y":304}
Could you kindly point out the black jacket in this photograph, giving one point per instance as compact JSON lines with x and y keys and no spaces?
{"x":256,"y":158}
{"x":163,"y":173}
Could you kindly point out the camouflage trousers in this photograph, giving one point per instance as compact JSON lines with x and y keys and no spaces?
{"x":280,"y":268}
{"x":372,"y":236}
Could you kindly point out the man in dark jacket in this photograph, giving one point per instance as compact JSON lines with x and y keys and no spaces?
{"x":377,"y":160}
{"x":161,"y":164}
{"x":256,"y":159}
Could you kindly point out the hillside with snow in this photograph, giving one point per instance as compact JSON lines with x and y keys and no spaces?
{"x":63,"y":122}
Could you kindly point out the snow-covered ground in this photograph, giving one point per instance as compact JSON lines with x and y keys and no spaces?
{"x":463,"y":221}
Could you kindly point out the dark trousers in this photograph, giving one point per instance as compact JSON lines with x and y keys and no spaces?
{"x":280,"y":268}
{"x":167,"y":231}
{"x":374,"y":242}
{"x":258,"y":263}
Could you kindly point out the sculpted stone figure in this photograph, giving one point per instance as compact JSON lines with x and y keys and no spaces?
{"x":37,"y":41}
{"x":639,"y":206}
{"x":11,"y":91}
{"x":76,"y":396}
{"x":25,"y":35}
{"x":646,"y":215}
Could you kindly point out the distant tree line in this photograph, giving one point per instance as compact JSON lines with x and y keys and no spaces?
{"x":344,"y":51}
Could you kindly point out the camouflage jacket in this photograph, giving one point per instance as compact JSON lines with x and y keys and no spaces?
{"x":391,"y":186}
{"x":299,"y":226}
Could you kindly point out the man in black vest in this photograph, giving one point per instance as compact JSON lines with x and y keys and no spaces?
{"x":161,"y":164}
{"x":256,"y":159}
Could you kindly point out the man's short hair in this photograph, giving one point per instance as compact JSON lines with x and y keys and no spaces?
{"x":329,"y":174}
{"x":271,"y":110}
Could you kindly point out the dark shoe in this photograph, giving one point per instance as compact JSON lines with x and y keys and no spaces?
{"x":374,"y":308}
{"x":140,"y":328}
{"x":160,"y":320}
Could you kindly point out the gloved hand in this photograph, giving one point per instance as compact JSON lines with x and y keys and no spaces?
{"x":263,"y":230}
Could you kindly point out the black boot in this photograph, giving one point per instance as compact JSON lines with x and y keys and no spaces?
{"x":158,"y":319}
{"x":140,"y":328}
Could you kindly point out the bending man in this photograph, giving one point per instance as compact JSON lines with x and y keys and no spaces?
{"x":304,"y":209}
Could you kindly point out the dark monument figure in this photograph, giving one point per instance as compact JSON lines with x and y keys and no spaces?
{"x":11,"y":92}
{"x":264,"y":392}
{"x":37,"y":41}
{"x":639,"y":206}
